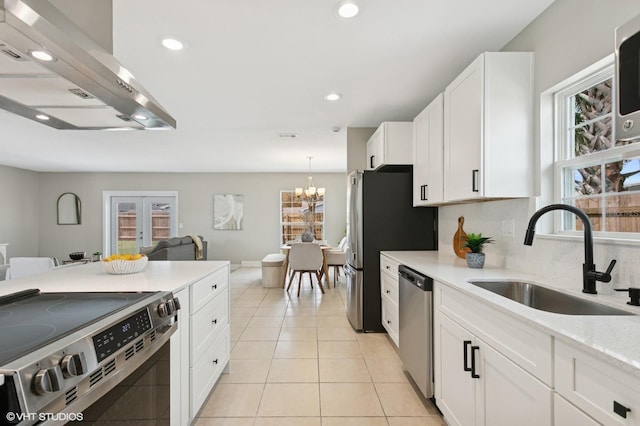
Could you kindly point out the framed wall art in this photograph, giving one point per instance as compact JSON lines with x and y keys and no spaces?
{"x":228,"y":211}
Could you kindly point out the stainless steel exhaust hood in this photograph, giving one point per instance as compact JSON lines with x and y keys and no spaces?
{"x":53,"y":73}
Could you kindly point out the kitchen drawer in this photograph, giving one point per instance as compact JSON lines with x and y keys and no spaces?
{"x":389,"y":266}
{"x":390,"y":319}
{"x":208,"y":323}
{"x":595,"y":386}
{"x":389,"y":287}
{"x":566,"y":414}
{"x":207,"y":370}
{"x":208,"y":288}
{"x":529,"y":348}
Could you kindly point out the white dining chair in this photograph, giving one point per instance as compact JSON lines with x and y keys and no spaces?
{"x":336,"y":258}
{"x":305,"y":257}
{"x":24,"y":266}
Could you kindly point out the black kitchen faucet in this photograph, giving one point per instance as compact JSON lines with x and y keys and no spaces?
{"x":589,"y":273}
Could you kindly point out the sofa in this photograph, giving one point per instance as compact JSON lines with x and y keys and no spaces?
{"x":177,"y":248}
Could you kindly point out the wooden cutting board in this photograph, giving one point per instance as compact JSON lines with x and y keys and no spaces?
{"x":459,"y":238}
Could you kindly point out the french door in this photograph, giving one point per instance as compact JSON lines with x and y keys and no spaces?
{"x":135,"y":221}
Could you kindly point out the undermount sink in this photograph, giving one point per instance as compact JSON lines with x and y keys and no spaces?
{"x":545,"y":299}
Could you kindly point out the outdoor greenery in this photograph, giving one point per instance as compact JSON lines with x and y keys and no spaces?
{"x":594,"y":132}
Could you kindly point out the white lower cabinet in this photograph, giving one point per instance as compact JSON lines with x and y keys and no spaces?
{"x":200,"y":347}
{"x":475,"y":384}
{"x":389,"y":294}
{"x":597,"y":388}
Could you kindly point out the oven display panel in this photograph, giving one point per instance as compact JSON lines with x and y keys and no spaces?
{"x":116,"y":337}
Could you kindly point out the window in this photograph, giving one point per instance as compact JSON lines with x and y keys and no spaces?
{"x":297,"y":215}
{"x":594,"y":172}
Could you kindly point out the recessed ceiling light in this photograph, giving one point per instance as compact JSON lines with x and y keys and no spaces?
{"x":42,"y":117}
{"x":347,"y":9}
{"x":172,"y":44}
{"x":332,"y":96}
{"x":41,"y":55}
{"x":140,"y":117}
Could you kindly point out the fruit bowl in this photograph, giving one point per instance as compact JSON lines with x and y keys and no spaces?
{"x":125,"y":264}
{"x":77,"y":255}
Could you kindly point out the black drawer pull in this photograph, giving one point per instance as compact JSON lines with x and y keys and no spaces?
{"x":214,"y":287}
{"x":388,"y":291}
{"x":215,"y":321}
{"x":620,"y":409}
{"x":389,"y":322}
{"x":465,"y":350}
{"x":474,"y":375}
{"x":371,"y":166}
{"x":215,"y":361}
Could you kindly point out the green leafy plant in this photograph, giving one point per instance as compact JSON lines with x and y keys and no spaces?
{"x":476,"y":242}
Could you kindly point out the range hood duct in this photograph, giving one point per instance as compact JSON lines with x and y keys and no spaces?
{"x":84,"y":87}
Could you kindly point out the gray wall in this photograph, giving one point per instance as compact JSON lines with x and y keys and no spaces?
{"x":29,"y":209}
{"x":569,"y":36}
{"x":19,"y":211}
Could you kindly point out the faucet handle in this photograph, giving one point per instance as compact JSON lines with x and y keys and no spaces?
{"x":604,"y":277}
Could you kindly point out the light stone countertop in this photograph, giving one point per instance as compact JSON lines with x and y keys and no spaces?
{"x":615,"y":339}
{"x":157,"y":276}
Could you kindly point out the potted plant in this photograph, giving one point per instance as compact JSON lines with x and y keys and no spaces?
{"x":97,"y":256}
{"x":476,"y":243}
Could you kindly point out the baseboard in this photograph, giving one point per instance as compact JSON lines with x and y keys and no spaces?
{"x":251,"y":263}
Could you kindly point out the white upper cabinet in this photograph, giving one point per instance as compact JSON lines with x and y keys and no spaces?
{"x":488,"y":129}
{"x":428,"y":145}
{"x":390,"y":145}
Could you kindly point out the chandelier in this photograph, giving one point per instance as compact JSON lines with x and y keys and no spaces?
{"x":310,"y":193}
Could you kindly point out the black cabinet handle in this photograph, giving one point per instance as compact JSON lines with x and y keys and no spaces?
{"x":215,"y":321}
{"x":474,"y":180}
{"x":215,"y":361}
{"x":424,"y":192}
{"x":214,"y":287}
{"x":620,"y":409}
{"x":465,"y":350}
{"x":371,"y":161}
{"x":473,"y":362}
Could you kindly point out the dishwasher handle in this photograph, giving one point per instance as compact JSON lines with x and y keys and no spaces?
{"x":415,"y":278}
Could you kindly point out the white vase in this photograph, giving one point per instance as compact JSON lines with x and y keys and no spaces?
{"x":475,"y":260}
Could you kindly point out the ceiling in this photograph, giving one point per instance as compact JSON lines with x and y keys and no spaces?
{"x":253,"y":69}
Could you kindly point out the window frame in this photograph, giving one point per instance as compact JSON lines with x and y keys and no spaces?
{"x":554,"y":107}
{"x":282,"y":223}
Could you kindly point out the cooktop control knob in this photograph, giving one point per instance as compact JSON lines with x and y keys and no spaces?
{"x":73,"y":365}
{"x":48,"y":380}
{"x":168,"y":308}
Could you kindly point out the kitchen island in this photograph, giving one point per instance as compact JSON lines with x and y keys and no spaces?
{"x":200,"y":347}
{"x":561,"y":369}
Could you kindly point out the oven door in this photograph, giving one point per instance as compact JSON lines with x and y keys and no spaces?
{"x":143,"y":396}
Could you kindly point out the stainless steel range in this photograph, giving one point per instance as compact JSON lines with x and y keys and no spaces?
{"x":60,"y":352}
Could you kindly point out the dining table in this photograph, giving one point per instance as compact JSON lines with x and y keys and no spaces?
{"x":324,"y":273}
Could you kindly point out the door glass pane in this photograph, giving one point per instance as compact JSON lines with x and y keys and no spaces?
{"x":127,"y":227}
{"x":160,"y":222}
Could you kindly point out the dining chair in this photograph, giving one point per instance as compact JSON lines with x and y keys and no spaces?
{"x":336,"y":258}
{"x":25,"y":266}
{"x":305,"y":257}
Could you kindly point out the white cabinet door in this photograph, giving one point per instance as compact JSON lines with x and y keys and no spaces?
{"x":488,"y":129}
{"x":475,"y":385}
{"x":428,"y":145}
{"x":455,"y":390}
{"x":375,"y":149}
{"x":508,"y":395}
{"x":463,"y":133}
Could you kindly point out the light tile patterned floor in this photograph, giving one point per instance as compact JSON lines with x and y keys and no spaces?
{"x":297,"y":361}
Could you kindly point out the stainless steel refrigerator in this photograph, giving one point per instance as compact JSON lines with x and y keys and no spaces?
{"x":380,"y":217}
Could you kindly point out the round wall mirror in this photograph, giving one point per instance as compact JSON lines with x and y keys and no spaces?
{"x":68,"y":209}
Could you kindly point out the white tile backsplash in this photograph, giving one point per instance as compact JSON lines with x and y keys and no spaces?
{"x":557,"y":262}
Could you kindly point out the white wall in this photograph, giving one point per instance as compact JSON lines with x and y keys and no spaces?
{"x":567,"y":37}
{"x":195,"y":208}
{"x":19,"y":211}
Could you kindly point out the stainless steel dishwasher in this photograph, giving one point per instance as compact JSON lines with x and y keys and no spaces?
{"x":416,"y":327}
